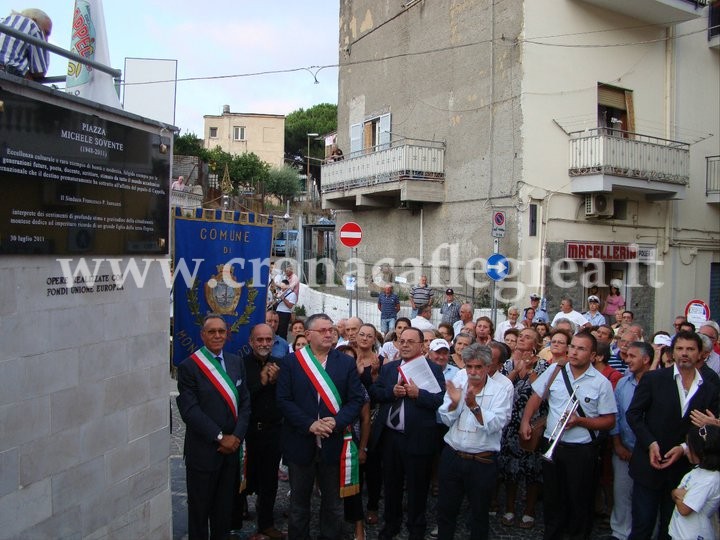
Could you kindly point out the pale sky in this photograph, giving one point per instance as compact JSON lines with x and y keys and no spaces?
{"x":219,"y":37}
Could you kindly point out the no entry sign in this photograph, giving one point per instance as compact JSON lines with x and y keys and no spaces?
{"x":350,"y":234}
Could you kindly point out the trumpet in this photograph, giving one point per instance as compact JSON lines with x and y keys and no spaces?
{"x":571,"y":406}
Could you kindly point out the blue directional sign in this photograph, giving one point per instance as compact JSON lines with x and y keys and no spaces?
{"x":497,"y":267}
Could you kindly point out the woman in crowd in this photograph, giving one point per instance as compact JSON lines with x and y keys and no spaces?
{"x":543,"y":329}
{"x":527,"y":321}
{"x":614,"y":301}
{"x":368,"y":365}
{"x":446,"y":331}
{"x":511,"y":338}
{"x":559,"y":344}
{"x":389,"y":350}
{"x":299,"y":342}
{"x":462,"y":340}
{"x":515,"y":464}
{"x":361,"y":435}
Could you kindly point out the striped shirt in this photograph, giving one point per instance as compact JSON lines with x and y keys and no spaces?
{"x":19,"y":56}
{"x":421,"y":295}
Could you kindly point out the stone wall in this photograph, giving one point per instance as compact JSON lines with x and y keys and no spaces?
{"x":84,"y":435}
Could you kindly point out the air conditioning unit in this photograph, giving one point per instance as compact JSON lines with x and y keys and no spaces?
{"x":599,"y":205}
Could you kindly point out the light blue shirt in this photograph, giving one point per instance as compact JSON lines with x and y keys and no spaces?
{"x":280,"y":347}
{"x":624,"y":391}
{"x":594,"y":392}
{"x":595,"y":320}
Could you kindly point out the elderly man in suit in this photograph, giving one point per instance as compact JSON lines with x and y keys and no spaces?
{"x":214,"y":403}
{"x":406,"y":430}
{"x":320,"y":395}
{"x":659,"y":415}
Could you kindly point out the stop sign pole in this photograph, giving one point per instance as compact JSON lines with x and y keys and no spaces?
{"x":351,"y":236}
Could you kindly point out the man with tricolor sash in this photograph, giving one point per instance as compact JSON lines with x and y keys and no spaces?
{"x":214,"y":403}
{"x":320,"y":396}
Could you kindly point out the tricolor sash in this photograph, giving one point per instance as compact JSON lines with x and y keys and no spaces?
{"x":215,"y":373}
{"x":326,"y":389}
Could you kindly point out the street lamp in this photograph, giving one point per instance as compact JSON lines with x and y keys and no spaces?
{"x":307,"y":161}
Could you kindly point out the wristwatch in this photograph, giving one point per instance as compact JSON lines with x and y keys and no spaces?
{"x":475,"y":409}
{"x":219,"y":436}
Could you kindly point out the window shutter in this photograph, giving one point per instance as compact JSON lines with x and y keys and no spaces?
{"x":385,"y":135}
{"x":356,"y":132}
{"x":611,"y":97}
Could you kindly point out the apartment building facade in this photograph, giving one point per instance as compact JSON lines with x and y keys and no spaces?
{"x":240,"y":133}
{"x":590,"y":126}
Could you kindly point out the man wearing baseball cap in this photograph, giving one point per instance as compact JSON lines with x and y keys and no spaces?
{"x":540,"y":314}
{"x":593,"y":315}
{"x":439,"y":353}
{"x":450,"y":309}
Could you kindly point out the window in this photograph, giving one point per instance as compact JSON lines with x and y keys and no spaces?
{"x":616,"y":111}
{"x":373,"y":134}
{"x":238,"y":133}
{"x":213,"y":132}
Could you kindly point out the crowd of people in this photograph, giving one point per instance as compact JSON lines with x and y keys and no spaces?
{"x":591,"y":413}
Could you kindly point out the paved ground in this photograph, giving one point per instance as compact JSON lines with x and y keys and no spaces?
{"x":179,"y":502}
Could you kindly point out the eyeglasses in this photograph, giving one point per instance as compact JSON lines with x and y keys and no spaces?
{"x":320,"y":330}
{"x":408,"y":341}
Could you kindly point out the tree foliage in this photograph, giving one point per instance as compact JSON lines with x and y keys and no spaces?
{"x":283,"y":181}
{"x":319,"y":119}
{"x":189,"y":145}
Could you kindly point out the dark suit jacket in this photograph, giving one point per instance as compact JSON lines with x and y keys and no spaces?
{"x":420,"y":413}
{"x":299,"y":404}
{"x":654,"y":415}
{"x":206,"y":413}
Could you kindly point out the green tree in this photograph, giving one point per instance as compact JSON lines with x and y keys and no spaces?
{"x":189,"y":145}
{"x":283,"y":181}
{"x":319,"y":119}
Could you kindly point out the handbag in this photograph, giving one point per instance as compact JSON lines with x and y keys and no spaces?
{"x":538,"y":427}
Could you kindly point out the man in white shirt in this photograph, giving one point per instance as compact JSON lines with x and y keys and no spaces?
{"x":567,"y":312}
{"x":422,"y":321}
{"x":511,"y":322}
{"x":476,"y":408}
{"x":569,"y":479}
{"x":466,"y":315}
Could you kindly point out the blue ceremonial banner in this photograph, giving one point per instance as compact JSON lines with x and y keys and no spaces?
{"x":221,"y":264}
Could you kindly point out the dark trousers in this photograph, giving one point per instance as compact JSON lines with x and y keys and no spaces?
{"x":458,"y":478}
{"x":415,"y":471}
{"x":302,"y":481}
{"x":372,"y":472}
{"x":263,"y":453}
{"x":210,"y":499}
{"x":646,"y":503}
{"x":283,"y":324}
{"x":569,"y":491}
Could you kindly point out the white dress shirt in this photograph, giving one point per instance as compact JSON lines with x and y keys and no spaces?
{"x":466,"y":433}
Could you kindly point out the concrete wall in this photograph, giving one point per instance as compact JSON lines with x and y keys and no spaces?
{"x":84,"y":436}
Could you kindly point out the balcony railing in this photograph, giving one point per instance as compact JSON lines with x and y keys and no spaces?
{"x":712,"y":176}
{"x":400,"y":160}
{"x":629,"y":155}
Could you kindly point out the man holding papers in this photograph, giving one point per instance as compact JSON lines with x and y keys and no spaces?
{"x":409,"y":391}
{"x":476,"y":408}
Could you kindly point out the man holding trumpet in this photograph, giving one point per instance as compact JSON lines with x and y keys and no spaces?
{"x":570,"y":444}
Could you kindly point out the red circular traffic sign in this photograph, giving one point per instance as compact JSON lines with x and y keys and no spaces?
{"x":697,"y":312}
{"x":350,"y":234}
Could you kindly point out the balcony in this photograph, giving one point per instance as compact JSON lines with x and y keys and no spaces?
{"x":712,"y":180}
{"x":605,"y":159}
{"x":186,"y":199}
{"x":397,"y":174}
{"x":662,"y":12}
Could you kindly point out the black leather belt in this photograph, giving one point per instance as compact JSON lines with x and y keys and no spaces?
{"x":482,"y":457}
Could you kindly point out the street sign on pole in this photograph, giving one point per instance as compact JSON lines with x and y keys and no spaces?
{"x":697,"y":312}
{"x":497,"y":267}
{"x":498,"y":225}
{"x":350,"y":234}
